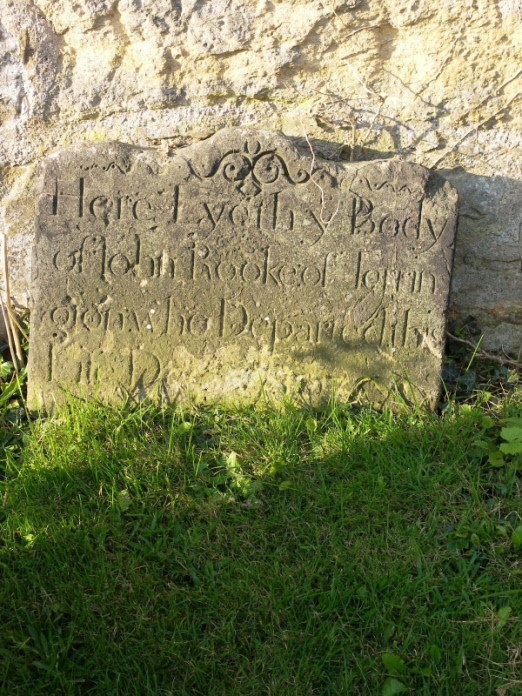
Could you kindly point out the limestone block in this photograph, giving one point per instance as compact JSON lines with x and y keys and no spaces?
{"x":238,"y":268}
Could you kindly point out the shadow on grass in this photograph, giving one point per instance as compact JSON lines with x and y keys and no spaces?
{"x":278,"y":551}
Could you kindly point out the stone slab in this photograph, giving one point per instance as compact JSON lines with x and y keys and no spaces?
{"x":235,"y":269}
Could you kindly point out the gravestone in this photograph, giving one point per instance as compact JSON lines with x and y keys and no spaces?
{"x":235,"y":269}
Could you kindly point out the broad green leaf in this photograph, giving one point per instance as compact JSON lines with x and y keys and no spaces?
{"x":496,"y":458}
{"x":511,"y":434}
{"x":393,"y":686}
{"x":124,"y":500}
{"x":503,"y":615}
{"x":8,"y":391}
{"x":231,"y":460}
{"x":481,"y":445}
{"x":6,"y":368}
{"x":394,"y":664}
{"x":475,"y":539}
{"x":362,"y":591}
{"x":516,"y":537}
{"x":311,"y":425}
{"x":511,"y":447}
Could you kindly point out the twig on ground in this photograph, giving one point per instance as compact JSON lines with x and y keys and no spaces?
{"x":10,"y":315}
{"x":20,"y":327}
{"x":484,"y":353}
{"x":9,"y":332}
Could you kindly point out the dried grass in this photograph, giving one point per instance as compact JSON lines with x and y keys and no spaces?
{"x":12,"y":325}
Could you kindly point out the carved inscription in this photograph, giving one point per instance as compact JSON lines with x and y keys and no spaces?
{"x":236,"y":267}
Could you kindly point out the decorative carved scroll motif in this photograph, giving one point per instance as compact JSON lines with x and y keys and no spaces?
{"x":253,"y":168}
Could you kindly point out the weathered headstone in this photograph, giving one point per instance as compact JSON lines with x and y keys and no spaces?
{"x":236,"y":268}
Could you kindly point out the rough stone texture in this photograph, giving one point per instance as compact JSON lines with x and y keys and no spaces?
{"x":237,"y":268}
{"x":439,"y":84}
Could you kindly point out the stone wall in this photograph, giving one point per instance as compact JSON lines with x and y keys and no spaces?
{"x":438,"y":84}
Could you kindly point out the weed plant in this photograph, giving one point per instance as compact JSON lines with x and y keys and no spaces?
{"x":269,"y":550}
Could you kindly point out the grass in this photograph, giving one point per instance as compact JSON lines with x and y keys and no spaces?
{"x":262,"y":551}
